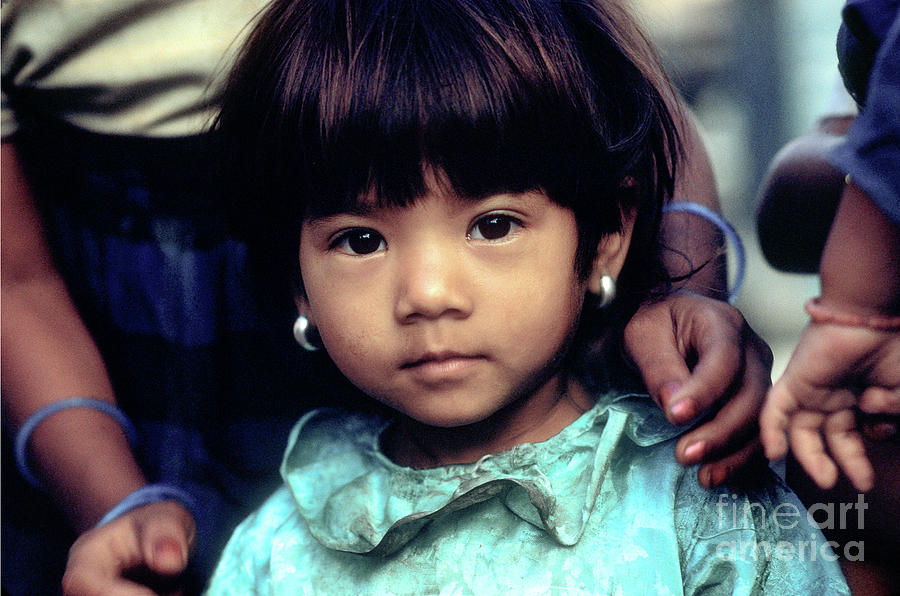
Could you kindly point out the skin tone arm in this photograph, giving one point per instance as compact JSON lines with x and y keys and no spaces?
{"x":838,"y":368}
{"x":81,"y":455}
{"x":732,"y":362}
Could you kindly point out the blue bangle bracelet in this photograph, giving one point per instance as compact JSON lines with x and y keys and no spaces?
{"x":152,"y":493}
{"x":726,"y":228}
{"x":24,"y":434}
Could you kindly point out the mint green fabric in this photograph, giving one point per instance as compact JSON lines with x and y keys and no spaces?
{"x":600,"y":508}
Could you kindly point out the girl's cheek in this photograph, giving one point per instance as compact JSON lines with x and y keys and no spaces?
{"x":347,"y":342}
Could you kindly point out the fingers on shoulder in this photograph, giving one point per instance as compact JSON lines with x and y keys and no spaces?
{"x":735,"y":465}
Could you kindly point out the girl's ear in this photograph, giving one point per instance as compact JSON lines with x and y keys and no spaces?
{"x":611,"y":253}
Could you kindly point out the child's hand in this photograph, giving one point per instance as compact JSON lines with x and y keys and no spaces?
{"x":694,"y":352}
{"x":147,"y":546}
{"x":834,"y":371}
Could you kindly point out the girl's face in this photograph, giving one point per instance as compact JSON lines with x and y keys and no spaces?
{"x":448,"y":310}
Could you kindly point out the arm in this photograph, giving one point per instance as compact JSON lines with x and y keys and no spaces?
{"x":697,"y":248}
{"x":860,"y":268}
{"x":835,"y":367}
{"x":48,"y":355}
{"x":81,"y":455}
{"x":732,"y":362}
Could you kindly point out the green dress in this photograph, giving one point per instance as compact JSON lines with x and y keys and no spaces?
{"x":600,"y":508}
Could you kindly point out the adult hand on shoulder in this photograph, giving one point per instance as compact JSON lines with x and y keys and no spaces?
{"x":694,"y":353}
{"x":144,"y":550}
{"x":834,"y":372}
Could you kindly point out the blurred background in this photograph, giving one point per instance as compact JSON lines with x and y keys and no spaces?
{"x":757,"y":73}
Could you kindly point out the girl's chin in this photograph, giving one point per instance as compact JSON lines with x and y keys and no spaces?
{"x":446,"y":420}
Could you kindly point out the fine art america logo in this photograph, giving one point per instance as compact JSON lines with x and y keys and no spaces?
{"x":736,"y":514}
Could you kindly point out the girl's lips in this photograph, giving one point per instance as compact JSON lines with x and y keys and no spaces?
{"x":443,"y":367}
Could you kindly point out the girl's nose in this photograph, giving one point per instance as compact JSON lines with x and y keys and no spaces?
{"x":432,"y":283}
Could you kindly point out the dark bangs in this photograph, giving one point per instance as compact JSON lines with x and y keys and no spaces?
{"x":335,"y":102}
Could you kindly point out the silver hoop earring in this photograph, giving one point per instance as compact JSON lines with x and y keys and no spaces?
{"x":301,"y":327}
{"x":607,"y":291}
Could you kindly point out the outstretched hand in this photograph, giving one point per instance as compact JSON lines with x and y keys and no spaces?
{"x":695,"y":352}
{"x":148,"y":546}
{"x":834,"y":372}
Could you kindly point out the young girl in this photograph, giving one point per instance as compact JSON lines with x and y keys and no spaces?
{"x":475,"y":188}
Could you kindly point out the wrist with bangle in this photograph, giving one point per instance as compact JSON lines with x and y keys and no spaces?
{"x":146,"y":495}
{"x":825,"y":315}
{"x":727,"y":230}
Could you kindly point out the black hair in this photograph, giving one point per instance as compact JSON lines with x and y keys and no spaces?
{"x":336,"y":101}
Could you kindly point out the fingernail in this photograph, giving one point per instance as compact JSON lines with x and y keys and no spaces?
{"x":694,"y":451}
{"x":683,"y":409}
{"x":668,"y":390}
{"x":718,"y":476}
{"x":168,"y":552}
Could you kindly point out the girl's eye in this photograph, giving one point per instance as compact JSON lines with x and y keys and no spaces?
{"x":494,"y":227}
{"x":360,"y":241}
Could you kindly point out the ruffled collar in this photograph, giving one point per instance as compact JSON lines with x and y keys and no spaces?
{"x":354,"y":499}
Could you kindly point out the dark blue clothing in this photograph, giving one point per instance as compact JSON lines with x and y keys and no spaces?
{"x":871,"y":151}
{"x":202,"y":361}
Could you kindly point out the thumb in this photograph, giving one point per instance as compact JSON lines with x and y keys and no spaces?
{"x":662,"y":368}
{"x":168,"y":555}
{"x":166,"y":538}
{"x":660,"y":348}
{"x":719,"y":352}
